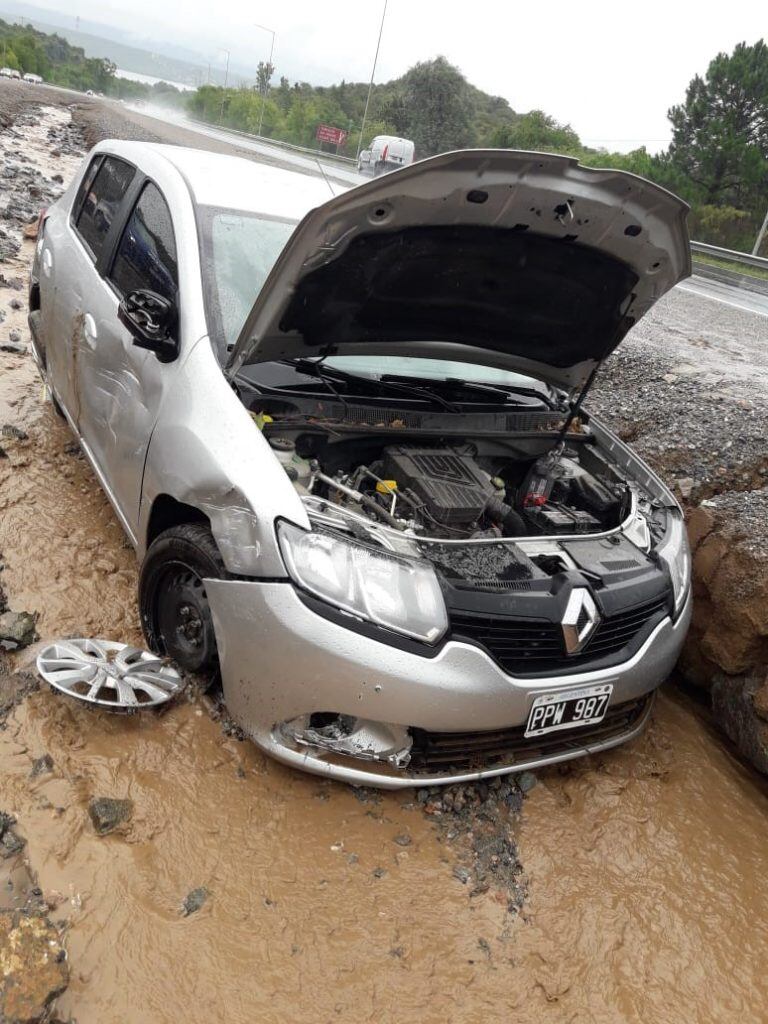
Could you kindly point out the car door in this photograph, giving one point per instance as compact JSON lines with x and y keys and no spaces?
{"x":74,"y":247}
{"x":119,"y":383}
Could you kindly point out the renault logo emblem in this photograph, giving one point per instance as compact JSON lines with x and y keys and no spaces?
{"x":580,"y":620}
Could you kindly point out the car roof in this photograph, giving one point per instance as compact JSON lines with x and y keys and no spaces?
{"x":217,"y":179}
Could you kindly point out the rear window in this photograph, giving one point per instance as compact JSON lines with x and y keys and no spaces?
{"x":101,"y":198}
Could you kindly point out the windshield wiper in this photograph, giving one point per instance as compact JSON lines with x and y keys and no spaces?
{"x":329,"y":375}
{"x":503,"y":389}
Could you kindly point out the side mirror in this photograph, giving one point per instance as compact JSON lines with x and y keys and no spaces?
{"x":150,"y":318}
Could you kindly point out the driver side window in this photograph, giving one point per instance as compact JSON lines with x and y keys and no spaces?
{"x":146,"y":256}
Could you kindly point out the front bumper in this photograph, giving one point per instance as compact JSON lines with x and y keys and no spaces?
{"x":280,"y":660}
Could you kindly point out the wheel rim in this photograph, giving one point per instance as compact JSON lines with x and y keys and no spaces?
{"x":183,"y":616}
{"x":108,"y":674}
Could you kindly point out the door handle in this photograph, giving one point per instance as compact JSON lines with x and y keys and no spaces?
{"x":89,"y":327}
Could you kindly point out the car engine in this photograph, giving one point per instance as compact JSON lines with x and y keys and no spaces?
{"x":455,"y":492}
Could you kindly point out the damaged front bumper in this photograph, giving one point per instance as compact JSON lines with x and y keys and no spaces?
{"x":281,"y":663}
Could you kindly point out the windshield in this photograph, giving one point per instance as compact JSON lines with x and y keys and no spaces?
{"x":432,"y":369}
{"x":238,"y":250}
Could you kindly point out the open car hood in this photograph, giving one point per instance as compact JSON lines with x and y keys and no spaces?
{"x":523,"y":261}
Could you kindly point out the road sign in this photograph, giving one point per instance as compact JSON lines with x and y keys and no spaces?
{"x":325,"y":133}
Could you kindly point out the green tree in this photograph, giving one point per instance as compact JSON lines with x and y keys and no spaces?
{"x":435,"y":109}
{"x":720,"y":132}
{"x":537,"y":131}
{"x":264,"y":74}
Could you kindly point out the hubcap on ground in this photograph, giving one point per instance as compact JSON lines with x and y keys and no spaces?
{"x":108,"y":674}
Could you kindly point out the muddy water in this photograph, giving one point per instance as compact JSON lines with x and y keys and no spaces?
{"x":646,"y":866}
{"x":58,"y":536}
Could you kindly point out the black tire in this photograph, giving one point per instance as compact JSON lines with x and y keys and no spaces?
{"x":175,"y":614}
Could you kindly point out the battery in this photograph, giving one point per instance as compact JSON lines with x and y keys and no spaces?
{"x":556,"y":518}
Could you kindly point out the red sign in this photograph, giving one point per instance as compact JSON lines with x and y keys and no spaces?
{"x":325,"y":133}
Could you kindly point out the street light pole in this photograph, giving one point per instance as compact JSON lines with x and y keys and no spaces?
{"x":761,"y":235}
{"x":370,"y":86}
{"x":269,"y":66}
{"x":226,"y":79}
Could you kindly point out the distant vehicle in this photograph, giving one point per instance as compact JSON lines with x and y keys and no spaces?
{"x":33,"y":79}
{"x":6,"y":72}
{"x":15,"y":73}
{"x":386,"y":153}
{"x":90,"y":92}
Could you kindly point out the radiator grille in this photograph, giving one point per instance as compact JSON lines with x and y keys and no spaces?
{"x":531,"y":646}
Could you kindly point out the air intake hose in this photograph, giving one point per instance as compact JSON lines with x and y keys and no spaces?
{"x":510,"y":521}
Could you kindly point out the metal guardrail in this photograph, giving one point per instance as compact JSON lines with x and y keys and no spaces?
{"x":737,"y":274}
{"x":346,"y":160}
{"x":729,"y":255}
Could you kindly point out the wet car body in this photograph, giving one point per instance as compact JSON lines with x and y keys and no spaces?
{"x":438,"y":629}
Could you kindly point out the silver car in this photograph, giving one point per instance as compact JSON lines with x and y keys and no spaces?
{"x":345,"y":435}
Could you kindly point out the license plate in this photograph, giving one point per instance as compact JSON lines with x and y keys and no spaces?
{"x":553,"y":711}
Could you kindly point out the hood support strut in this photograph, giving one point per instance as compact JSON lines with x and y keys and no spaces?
{"x":575,"y":407}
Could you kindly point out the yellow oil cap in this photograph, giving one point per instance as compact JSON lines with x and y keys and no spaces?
{"x":386,"y":486}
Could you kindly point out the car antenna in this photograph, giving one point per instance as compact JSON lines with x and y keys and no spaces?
{"x":325,"y":177}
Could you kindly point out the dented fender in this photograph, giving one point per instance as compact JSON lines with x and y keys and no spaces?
{"x":207,"y":452}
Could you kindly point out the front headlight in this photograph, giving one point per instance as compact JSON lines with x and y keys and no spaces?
{"x":674,"y":552}
{"x":398,"y":593}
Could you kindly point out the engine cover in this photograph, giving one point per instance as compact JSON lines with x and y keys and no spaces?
{"x":451,"y":485}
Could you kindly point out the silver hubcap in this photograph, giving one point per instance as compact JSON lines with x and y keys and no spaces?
{"x":108,"y":674}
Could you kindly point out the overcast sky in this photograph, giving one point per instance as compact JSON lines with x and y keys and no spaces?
{"x":611,"y":69}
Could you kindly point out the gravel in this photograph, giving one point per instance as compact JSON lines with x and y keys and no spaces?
{"x":478,"y":822}
{"x":688,"y":389}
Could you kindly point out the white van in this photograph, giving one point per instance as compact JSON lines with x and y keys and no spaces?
{"x":386,"y":153}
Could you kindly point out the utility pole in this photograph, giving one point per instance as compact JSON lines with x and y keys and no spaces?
{"x":370,"y":87}
{"x":761,"y":235}
{"x":269,"y":68}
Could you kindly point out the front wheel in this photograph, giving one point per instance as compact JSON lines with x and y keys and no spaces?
{"x":175,"y":614}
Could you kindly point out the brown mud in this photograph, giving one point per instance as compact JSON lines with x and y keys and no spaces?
{"x":645,"y":866}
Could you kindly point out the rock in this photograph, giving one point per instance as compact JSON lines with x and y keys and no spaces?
{"x":194,"y":900}
{"x":16,"y":433}
{"x":526,"y":781}
{"x":379,"y":872}
{"x":14,"y":335}
{"x":107,"y":813}
{"x":17,"y":628}
{"x":57,"y":178}
{"x":12,"y":346}
{"x":734,"y":702}
{"x":41,"y":766}
{"x":10,"y":843}
{"x":685,"y":485}
{"x":33,"y":967}
{"x":461,"y":873}
{"x":403,"y":840}
{"x":16,"y":303}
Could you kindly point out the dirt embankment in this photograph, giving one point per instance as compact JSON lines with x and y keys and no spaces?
{"x":689,"y":390}
{"x":625,"y":887}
